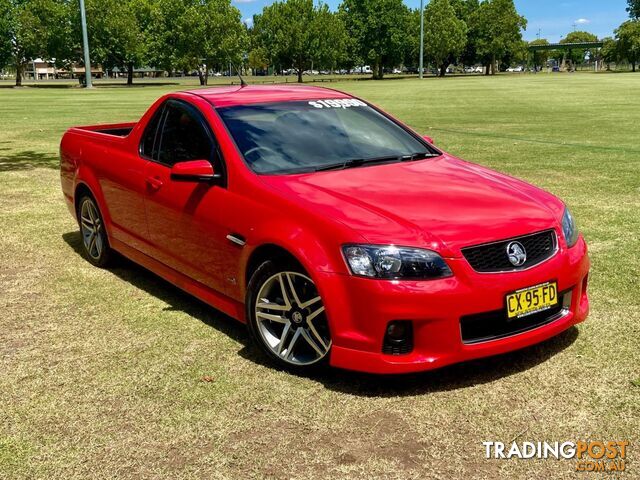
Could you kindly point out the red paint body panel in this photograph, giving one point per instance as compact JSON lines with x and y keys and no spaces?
{"x":178,"y":230}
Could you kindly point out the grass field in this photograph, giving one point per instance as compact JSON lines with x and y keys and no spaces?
{"x":115,"y":373}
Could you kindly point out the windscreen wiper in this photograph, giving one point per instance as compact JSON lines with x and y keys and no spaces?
{"x":418,"y":156}
{"x":357,"y":162}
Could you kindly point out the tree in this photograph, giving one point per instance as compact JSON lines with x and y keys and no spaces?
{"x":540,"y":57}
{"x":577,"y":56}
{"x":445,"y":35}
{"x":412,"y":43}
{"x":378,"y":28}
{"x":163,"y":47}
{"x":190,"y":35}
{"x":497,"y":27}
{"x":300,"y":34}
{"x":210,"y":32}
{"x":5,"y":33}
{"x":33,"y":28}
{"x":328,"y":26}
{"x":609,"y":51}
{"x":628,"y":36}
{"x":116,"y":30}
{"x":634,"y":8}
{"x":464,"y":11}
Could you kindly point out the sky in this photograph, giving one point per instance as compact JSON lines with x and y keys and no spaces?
{"x":554,"y":19}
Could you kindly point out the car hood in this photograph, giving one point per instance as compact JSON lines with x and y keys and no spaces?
{"x":443,"y":203}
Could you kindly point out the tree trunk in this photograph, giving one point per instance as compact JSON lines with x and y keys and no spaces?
{"x":493,"y":65}
{"x":129,"y":73}
{"x":633,"y":66}
{"x":380,"y":71}
{"x":443,"y":69}
{"x":201,"y":77}
{"x":299,"y":75}
{"x":19,"y":68}
{"x":206,"y":74}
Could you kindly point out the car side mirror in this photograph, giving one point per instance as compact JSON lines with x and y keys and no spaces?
{"x":428,"y":139}
{"x":194,"y":171}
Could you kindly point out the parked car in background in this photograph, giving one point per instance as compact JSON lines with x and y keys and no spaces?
{"x":363,"y":69}
{"x":337,"y":233}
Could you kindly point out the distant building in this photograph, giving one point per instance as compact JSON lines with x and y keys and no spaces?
{"x":40,"y":69}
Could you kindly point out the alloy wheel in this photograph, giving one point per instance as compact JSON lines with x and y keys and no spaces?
{"x":92,"y":229}
{"x":291,"y":320}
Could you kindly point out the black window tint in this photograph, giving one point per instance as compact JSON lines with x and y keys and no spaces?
{"x":183,"y":136}
{"x":149,"y":136}
{"x":291,"y":137}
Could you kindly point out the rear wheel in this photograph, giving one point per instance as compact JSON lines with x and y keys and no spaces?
{"x":94,"y":237}
{"x":286,"y":317}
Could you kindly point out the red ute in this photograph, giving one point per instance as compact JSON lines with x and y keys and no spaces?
{"x":336,"y":232}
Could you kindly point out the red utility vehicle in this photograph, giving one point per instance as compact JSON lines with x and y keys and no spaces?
{"x":336,"y":232}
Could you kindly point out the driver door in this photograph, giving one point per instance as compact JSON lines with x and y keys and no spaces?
{"x":183,"y":217}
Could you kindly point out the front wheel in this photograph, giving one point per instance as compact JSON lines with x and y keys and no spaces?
{"x":286,"y":317}
{"x":94,"y":237}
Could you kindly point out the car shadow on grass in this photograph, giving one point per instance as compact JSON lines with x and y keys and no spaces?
{"x":454,"y":377}
{"x":26,"y":160}
{"x":177,"y":299}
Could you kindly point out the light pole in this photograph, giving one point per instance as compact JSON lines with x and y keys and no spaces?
{"x":421,"y":36}
{"x":85,"y":44}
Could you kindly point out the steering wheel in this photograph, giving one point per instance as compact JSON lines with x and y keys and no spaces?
{"x":255,"y":149}
{"x":262,"y":161}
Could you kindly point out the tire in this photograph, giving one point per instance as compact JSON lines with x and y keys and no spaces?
{"x":95,"y":243}
{"x":286,"y":317}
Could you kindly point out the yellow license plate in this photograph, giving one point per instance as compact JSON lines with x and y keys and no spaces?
{"x":532,"y":300}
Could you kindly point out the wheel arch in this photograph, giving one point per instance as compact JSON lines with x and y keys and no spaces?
{"x":81,"y":190}
{"x":268,"y":251}
{"x":86,"y":182}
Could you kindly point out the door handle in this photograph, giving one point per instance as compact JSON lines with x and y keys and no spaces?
{"x":154,"y":182}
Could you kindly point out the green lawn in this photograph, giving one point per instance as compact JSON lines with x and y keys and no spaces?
{"x":115,"y":373}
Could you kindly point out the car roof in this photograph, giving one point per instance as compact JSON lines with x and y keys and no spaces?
{"x":251,"y":94}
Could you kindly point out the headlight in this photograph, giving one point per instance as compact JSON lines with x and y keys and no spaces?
{"x":569,"y":228}
{"x":377,"y":261}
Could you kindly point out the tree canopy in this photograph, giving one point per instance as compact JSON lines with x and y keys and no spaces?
{"x":540,"y":57}
{"x":497,"y":27}
{"x":298,"y":33}
{"x":445,"y":35}
{"x":628,"y":36}
{"x":634,"y":8}
{"x":378,"y":29}
{"x":578,"y":55}
{"x":609,"y":51}
{"x":31,"y":29}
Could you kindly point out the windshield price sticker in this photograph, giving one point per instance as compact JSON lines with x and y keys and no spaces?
{"x":338,"y":103}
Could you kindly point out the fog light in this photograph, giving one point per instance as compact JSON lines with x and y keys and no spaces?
{"x":396,"y":331}
{"x":398,"y":338}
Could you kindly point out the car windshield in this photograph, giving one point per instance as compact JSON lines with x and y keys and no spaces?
{"x":296,"y":137}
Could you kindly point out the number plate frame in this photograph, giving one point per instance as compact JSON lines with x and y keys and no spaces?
{"x":547,"y":291}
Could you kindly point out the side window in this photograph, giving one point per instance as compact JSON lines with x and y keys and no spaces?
{"x":183,"y":137}
{"x":149,"y":135}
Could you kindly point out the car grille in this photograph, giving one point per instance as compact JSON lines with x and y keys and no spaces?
{"x":485,"y":326}
{"x":492,"y":257}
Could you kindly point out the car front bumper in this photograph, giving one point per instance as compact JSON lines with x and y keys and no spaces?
{"x":359,"y":310}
